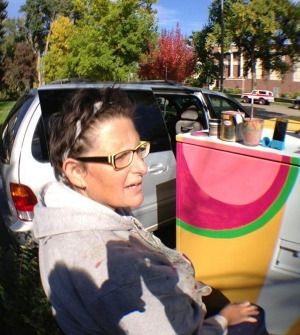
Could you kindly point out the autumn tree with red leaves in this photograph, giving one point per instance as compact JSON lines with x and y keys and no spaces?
{"x":173,"y":58}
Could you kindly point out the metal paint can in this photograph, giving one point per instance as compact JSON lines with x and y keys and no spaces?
{"x":232,"y":126}
{"x":214,"y":127}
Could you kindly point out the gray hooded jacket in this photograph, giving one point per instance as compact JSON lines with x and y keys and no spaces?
{"x":104,"y":274}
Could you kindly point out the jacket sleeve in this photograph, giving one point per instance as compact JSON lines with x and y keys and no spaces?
{"x":143,"y":296}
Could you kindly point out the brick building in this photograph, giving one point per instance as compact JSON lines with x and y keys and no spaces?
{"x":233,"y":74}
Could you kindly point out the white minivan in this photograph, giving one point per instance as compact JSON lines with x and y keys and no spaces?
{"x":160,"y":105}
{"x":25,"y":167}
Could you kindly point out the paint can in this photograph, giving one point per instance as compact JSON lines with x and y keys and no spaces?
{"x":232,"y":126}
{"x":214,"y":128}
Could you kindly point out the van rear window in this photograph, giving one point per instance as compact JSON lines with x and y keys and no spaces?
{"x":148,"y":118}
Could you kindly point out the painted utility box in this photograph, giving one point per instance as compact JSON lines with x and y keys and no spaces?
{"x":238,"y":220}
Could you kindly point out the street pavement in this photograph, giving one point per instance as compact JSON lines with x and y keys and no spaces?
{"x":271,"y":112}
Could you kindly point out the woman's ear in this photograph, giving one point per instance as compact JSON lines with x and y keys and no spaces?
{"x":75,"y":172}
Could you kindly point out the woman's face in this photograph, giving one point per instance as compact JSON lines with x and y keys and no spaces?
{"x":104,"y":184}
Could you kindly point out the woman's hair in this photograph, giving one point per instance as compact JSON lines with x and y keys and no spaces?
{"x":69,"y":134}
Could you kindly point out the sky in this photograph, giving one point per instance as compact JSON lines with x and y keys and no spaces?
{"x":190,"y":14}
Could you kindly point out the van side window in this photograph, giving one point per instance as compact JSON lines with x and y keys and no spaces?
{"x":39,"y":145}
{"x":149,"y":120}
{"x":172,"y":106}
{"x":221,"y":104}
{"x":11,"y":126}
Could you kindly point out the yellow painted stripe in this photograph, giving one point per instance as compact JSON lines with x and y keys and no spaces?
{"x":295,"y":330}
{"x":293,"y":125}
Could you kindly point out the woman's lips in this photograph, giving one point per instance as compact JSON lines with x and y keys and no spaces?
{"x":134,"y":187}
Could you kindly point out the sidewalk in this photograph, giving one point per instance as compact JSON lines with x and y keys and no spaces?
{"x":293,"y":125}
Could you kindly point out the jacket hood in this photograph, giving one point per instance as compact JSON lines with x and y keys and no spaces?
{"x":62,"y":210}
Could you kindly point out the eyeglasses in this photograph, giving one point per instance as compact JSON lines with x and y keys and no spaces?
{"x":121,"y":159}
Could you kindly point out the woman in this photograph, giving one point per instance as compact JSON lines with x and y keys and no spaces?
{"x":102,"y":272}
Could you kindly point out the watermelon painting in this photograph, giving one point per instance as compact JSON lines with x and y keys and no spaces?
{"x":233,"y":195}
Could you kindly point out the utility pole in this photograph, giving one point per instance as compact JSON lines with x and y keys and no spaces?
{"x":222,"y":48}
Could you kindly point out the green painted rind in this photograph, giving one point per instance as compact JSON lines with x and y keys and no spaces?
{"x":295,"y":161}
{"x":252,"y":226}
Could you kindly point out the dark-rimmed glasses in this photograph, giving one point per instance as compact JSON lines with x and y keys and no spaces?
{"x":122,"y":159}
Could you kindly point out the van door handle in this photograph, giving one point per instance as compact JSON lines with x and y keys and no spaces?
{"x":157,"y":168}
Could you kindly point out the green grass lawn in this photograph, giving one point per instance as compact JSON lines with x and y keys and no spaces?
{"x":5,"y":107}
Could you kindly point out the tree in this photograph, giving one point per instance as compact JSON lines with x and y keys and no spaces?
{"x":14,"y":33}
{"x":286,"y":40}
{"x":207,"y":71}
{"x":20,"y":72}
{"x":38,"y":17}
{"x":110,"y":37}
{"x":55,"y":63}
{"x":3,"y":16}
{"x":262,"y":30}
{"x":105,"y":40}
{"x":173,"y":58}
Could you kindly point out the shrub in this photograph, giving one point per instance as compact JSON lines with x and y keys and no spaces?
{"x":297,"y":95}
{"x":287,"y":95}
{"x":233,"y":91}
{"x":24,"y":308}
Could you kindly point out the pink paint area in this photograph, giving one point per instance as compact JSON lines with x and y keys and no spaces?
{"x":235,"y":190}
{"x":241,"y":178}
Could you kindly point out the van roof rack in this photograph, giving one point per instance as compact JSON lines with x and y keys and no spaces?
{"x":162,"y":81}
{"x":71,"y":81}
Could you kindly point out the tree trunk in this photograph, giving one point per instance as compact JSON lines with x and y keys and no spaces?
{"x":38,"y":68}
{"x":253,"y":71}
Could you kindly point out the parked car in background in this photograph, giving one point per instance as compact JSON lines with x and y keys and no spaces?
{"x":24,"y":160}
{"x":258,"y":96}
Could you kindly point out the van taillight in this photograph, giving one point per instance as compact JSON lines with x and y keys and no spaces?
{"x":23,"y":198}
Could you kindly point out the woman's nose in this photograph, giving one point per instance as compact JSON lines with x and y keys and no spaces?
{"x":139,"y":163}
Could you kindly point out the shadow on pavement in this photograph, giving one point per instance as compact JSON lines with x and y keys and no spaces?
{"x":262,"y":113}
